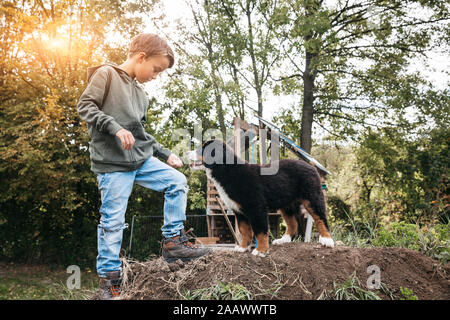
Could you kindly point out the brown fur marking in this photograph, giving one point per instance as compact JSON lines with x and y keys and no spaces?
{"x":291,"y":223}
{"x":262,"y":244}
{"x":246,"y":233}
{"x":323,"y":231}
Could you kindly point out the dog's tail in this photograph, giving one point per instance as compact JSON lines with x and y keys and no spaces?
{"x":316,"y":206}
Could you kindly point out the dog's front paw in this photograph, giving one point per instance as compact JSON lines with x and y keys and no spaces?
{"x":284,"y":239}
{"x":326,"y":241}
{"x":241,"y":249}
{"x":257,"y":253}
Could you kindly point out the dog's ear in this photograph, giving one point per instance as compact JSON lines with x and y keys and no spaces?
{"x":200,"y":150}
{"x":207,"y":143}
{"x":213,"y":152}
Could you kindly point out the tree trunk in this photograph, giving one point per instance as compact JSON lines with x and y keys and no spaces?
{"x":219,"y":107}
{"x":307,"y":110}
{"x":258,"y":83}
{"x":309,"y":76}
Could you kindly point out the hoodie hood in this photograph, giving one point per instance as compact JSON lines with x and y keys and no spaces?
{"x":121,"y":72}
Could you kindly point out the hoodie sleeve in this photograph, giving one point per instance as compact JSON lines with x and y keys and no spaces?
{"x":89,"y":105}
{"x":158,"y":149}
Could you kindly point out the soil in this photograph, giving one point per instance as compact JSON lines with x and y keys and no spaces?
{"x":290,"y":271}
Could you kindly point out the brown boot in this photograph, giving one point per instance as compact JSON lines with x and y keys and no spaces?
{"x":179,"y":248}
{"x":110,"y":286}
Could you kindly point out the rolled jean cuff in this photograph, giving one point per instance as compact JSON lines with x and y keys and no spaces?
{"x":122,"y":227}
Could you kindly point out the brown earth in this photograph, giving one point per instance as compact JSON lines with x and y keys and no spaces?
{"x":290,"y":271}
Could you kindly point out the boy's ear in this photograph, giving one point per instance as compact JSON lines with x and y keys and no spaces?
{"x":141,"y":56}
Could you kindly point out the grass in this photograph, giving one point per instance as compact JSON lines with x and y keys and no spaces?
{"x":24,"y":282}
{"x":407,"y":294}
{"x":351,"y":289}
{"x":364,"y":229}
{"x":220,"y":291}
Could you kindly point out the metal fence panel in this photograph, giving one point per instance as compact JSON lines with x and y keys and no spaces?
{"x":143,"y":238}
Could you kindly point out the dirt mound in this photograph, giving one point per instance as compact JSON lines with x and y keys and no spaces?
{"x":290,"y":271}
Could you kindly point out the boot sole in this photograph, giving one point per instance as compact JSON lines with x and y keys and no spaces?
{"x":172,"y":260}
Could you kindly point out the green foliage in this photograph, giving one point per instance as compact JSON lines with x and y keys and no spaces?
{"x":412,"y":173}
{"x":338,"y":208}
{"x":408,"y":294}
{"x":351,"y":289}
{"x":38,"y":282}
{"x":431,"y":240}
{"x":49,"y":207}
{"x":220,"y":291}
{"x":400,"y":234}
{"x":358,"y":228}
{"x":197,"y":192}
{"x":359,"y":56}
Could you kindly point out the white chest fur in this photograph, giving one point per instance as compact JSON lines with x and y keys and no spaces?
{"x":223,"y":195}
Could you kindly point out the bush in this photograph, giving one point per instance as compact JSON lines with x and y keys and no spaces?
{"x":433,"y":241}
{"x":398,"y":234}
{"x":338,"y":208}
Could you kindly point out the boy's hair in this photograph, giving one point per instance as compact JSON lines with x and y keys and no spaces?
{"x":152,"y":45}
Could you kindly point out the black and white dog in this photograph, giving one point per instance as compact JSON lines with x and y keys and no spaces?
{"x":252,"y":195}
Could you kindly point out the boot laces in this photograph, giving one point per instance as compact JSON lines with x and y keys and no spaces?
{"x":115,"y":291}
{"x":187,"y":243}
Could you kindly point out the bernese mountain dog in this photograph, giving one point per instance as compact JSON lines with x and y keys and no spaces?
{"x":252,"y":195}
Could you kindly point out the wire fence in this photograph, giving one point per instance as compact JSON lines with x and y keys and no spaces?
{"x":143,"y":237}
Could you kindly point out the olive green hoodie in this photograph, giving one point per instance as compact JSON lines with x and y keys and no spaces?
{"x":112,"y":101}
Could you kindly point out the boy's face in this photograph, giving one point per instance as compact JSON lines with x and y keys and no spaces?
{"x":148,"y":70}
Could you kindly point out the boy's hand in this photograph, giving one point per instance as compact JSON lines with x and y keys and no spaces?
{"x":174,"y":161}
{"x":127,"y":139}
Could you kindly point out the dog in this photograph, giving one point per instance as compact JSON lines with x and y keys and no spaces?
{"x":252,"y":196}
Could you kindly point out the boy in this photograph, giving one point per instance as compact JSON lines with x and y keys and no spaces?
{"x":114,"y":106}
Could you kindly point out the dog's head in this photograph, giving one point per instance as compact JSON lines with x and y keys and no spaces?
{"x":212,"y":153}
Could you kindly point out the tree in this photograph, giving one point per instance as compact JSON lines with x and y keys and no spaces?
{"x":412,"y":174}
{"x":350,"y":60}
{"x":49,"y":205}
{"x":234,"y":54}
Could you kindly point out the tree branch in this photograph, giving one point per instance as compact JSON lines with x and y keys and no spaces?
{"x":343,"y":117}
{"x":332,"y":133}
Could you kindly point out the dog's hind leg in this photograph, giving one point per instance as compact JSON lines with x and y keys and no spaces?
{"x":292,"y":226}
{"x":262,"y":244}
{"x":317,"y":210}
{"x":246,"y":232}
{"x":260,"y":224}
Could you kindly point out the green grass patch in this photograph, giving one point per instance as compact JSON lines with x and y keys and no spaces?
{"x":22,"y":282}
{"x":407,"y":294}
{"x":351,"y":289}
{"x":220,"y":291}
{"x":365,"y":230}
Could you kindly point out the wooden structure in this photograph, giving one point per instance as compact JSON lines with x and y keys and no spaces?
{"x":217,"y":214}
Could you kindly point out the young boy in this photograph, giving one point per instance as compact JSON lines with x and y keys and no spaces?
{"x":114,"y":106}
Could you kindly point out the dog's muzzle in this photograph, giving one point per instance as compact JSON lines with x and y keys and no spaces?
{"x":196,"y":160}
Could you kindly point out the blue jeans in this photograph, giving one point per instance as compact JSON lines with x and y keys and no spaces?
{"x":115,"y":189}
